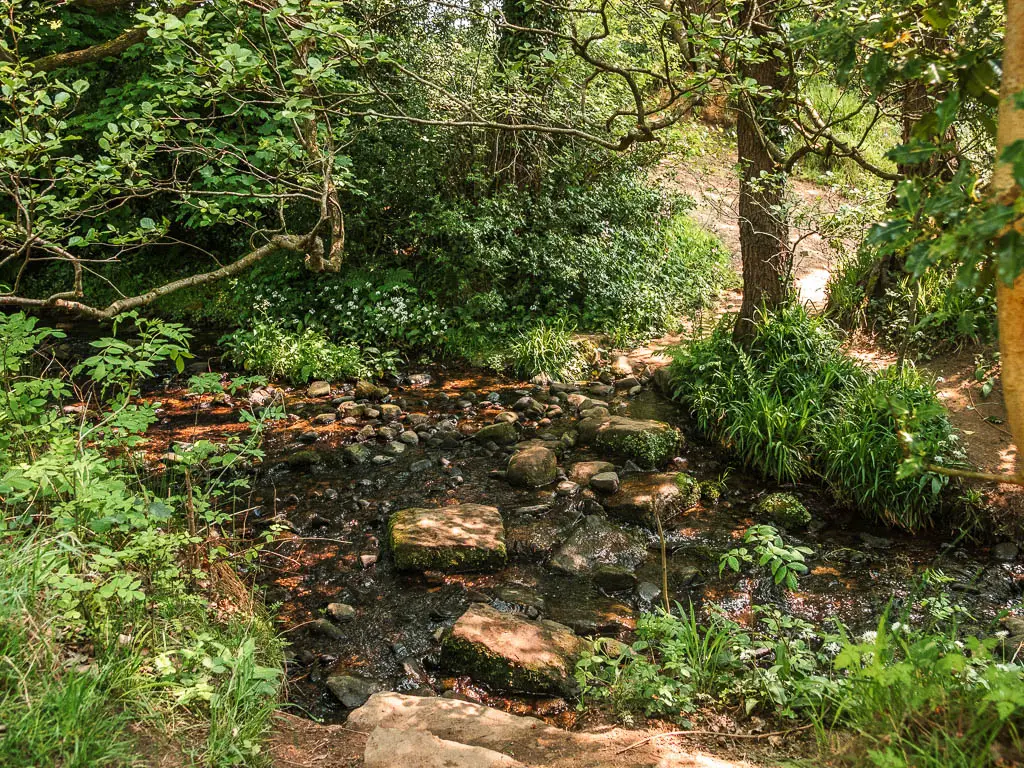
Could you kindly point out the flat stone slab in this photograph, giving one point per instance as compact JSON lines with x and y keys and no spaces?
{"x":466,"y":537}
{"x":510,"y":652}
{"x":390,"y":747}
{"x":531,"y":741}
{"x":641,"y":496}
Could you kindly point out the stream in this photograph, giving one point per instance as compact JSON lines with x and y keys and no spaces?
{"x":387,"y":630}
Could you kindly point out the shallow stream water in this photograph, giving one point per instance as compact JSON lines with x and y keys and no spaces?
{"x":335,"y":551}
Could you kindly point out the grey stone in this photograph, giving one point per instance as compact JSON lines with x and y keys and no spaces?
{"x":353,"y":691}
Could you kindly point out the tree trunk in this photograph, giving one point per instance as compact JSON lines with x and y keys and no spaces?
{"x":1010,"y":298}
{"x":764,"y":231}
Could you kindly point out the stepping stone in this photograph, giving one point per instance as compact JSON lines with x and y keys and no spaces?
{"x":532,"y":467}
{"x":649,"y":443}
{"x":641,"y":496}
{"x":466,"y":537}
{"x":582,"y":471}
{"x":597,"y":542}
{"x":388,"y":747}
{"x":509,"y":652}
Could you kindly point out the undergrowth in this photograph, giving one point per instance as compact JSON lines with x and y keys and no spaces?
{"x":298,"y":354}
{"x":926,"y":314}
{"x":793,"y":406}
{"x":916,"y":692}
{"x":120,"y":616}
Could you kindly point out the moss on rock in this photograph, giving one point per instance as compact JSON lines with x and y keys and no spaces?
{"x":650,"y":444}
{"x":690,"y":489}
{"x":467,"y":537}
{"x":784,"y":509}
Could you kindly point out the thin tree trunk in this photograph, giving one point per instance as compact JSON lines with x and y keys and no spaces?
{"x":764,"y":231}
{"x":1010,"y":298}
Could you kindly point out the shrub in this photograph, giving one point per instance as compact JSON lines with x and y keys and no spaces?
{"x":299,"y":355}
{"x":794,"y":406}
{"x":547,"y":347}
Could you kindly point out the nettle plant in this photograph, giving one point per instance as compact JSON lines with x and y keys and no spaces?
{"x":766,"y":545}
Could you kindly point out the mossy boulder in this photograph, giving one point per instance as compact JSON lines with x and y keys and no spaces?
{"x":366,"y":390}
{"x":509,"y":652}
{"x":466,"y":537}
{"x":640,"y":497}
{"x":649,"y":443}
{"x":357,"y":453}
{"x":532,"y":467}
{"x":502,"y":433}
{"x":784,"y":509}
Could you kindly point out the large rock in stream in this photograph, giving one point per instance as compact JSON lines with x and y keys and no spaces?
{"x":598,"y":542}
{"x":640,"y":497}
{"x":509,"y":652}
{"x":466,"y":537}
{"x":532,"y":467}
{"x":649,"y":443}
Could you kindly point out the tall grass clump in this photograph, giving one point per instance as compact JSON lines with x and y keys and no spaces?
{"x":793,"y":406}
{"x":549,"y":347}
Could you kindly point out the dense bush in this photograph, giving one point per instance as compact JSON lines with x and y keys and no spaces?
{"x":794,"y":406}
{"x":485,"y":278}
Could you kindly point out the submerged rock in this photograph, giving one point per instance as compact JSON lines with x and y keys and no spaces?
{"x":467,"y":537}
{"x":598,"y":541}
{"x":641,"y":496}
{"x":509,"y":652}
{"x":784,"y":509}
{"x":614,"y":578}
{"x":532,"y":467}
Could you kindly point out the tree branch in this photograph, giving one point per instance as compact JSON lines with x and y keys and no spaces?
{"x":100,"y":51}
{"x":298,"y":243}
